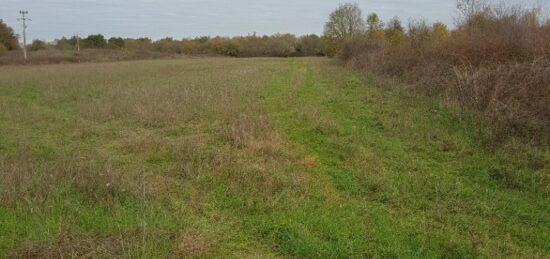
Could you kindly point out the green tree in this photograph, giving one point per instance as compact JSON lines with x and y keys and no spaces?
{"x":116,"y":42}
{"x":394,"y":31}
{"x":38,"y":45}
{"x":95,"y":41}
{"x":8,"y":37}
{"x":230,"y":49}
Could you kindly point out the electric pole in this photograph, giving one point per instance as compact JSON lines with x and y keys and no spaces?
{"x":78,"y":43}
{"x":24,"y":20}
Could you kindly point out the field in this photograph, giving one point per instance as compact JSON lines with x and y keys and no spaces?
{"x":263,"y":157}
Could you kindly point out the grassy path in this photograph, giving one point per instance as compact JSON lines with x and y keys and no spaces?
{"x":392,"y":176}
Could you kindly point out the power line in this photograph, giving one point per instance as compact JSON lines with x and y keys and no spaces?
{"x":24,"y":20}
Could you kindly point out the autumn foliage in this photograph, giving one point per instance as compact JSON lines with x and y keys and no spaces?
{"x":496,"y":61}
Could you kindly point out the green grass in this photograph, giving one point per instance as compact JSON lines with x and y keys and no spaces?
{"x":254,"y":158}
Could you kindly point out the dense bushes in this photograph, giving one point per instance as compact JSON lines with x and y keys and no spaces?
{"x":278,"y":45}
{"x":496,"y":61}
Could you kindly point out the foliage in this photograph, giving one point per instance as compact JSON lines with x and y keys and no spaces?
{"x":345,"y":22}
{"x":375,"y":27}
{"x":394,"y":31}
{"x":494,"y":62}
{"x":8,"y":37}
{"x":37,"y":45}
{"x":2,"y":49}
{"x":94,"y":41}
{"x":116,"y":42}
{"x":263,"y":158}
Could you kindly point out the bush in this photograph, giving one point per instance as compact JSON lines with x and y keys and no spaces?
{"x":115,"y":42}
{"x":95,"y":41}
{"x":2,"y":49}
{"x":230,"y":49}
{"x":496,"y":61}
{"x":38,"y":45}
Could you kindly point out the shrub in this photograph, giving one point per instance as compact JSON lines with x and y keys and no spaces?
{"x":38,"y":45}
{"x":309,"y":45}
{"x":116,"y":42}
{"x":2,"y":49}
{"x":95,"y":41}
{"x":496,"y":61}
{"x":230,"y":49}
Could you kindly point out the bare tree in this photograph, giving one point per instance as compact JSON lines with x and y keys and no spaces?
{"x":344,"y":22}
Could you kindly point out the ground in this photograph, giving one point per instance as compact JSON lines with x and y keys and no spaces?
{"x":219,"y":157}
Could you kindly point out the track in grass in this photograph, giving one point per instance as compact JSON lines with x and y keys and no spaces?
{"x":253,"y":157}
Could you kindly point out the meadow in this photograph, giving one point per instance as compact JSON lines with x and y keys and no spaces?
{"x":255,"y":157}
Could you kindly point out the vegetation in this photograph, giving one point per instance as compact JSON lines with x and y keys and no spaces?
{"x":8,"y":39}
{"x":96,"y":48}
{"x":434,"y":146}
{"x":494,"y":62}
{"x":37,"y":45}
{"x":116,"y":42}
{"x":2,"y":49}
{"x":94,"y":41}
{"x":253,"y":157}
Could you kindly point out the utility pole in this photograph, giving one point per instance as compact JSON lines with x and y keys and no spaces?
{"x":24,"y":20}
{"x":77,"y":43}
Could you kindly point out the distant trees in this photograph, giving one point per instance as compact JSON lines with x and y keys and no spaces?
{"x":116,"y":42}
{"x":65,"y":43}
{"x":37,"y":45}
{"x":310,"y":45}
{"x":7,"y":37}
{"x":94,"y":41}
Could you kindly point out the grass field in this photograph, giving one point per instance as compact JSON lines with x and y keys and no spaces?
{"x":219,"y":157}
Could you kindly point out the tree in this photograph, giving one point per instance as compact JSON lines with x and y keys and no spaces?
{"x":439,"y":32}
{"x":345,"y":22}
{"x":394,"y":31}
{"x":8,"y":37}
{"x":375,"y":27}
{"x":230,"y":49}
{"x":116,"y":42}
{"x":95,"y":41}
{"x":310,"y":45}
{"x":38,"y":45}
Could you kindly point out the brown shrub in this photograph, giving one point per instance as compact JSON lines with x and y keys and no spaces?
{"x":496,"y":61}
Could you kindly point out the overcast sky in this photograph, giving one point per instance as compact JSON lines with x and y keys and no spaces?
{"x":189,"y":18}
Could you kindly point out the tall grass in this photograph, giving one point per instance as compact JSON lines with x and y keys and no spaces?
{"x":496,"y":61}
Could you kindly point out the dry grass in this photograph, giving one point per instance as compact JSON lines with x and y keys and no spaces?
{"x":130,"y":132}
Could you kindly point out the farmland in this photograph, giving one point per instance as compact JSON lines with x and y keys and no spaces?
{"x":255,"y":157}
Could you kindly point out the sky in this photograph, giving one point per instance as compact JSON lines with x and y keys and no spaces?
{"x":157,"y":19}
